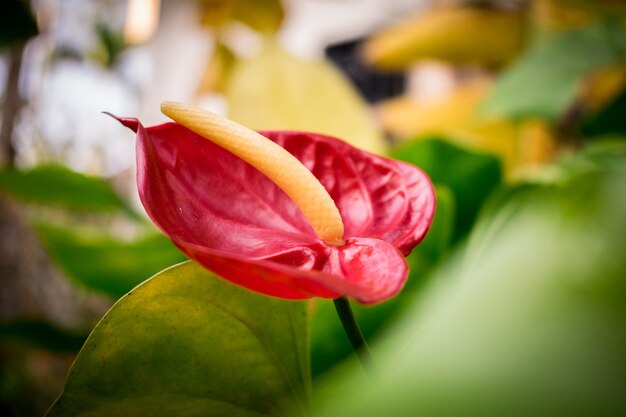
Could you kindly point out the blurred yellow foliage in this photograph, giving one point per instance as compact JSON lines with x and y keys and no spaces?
{"x":601,"y":87}
{"x":217,"y":70}
{"x":454,"y":117}
{"x":278,"y":91}
{"x":264,"y":16}
{"x":554,"y":15}
{"x":457,"y":35}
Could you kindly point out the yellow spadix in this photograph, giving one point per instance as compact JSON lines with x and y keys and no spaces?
{"x":276,"y":163}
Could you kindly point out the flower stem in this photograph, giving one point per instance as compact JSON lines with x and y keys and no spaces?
{"x":350,"y":326}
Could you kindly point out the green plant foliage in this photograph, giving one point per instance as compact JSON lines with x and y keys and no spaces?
{"x":440,"y":236}
{"x":609,"y":153}
{"x":188,"y":343}
{"x":606,"y":153}
{"x":529,"y":321}
{"x":608,"y":121}
{"x":105,"y":264}
{"x":111,"y":45}
{"x":544,"y":80}
{"x":41,"y":335}
{"x":329,"y":343}
{"x":469,"y":175}
{"x":56,"y":185}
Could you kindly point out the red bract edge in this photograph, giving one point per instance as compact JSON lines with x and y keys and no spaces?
{"x":230,"y":218}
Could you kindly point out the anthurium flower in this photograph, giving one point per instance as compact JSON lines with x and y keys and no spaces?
{"x":234,"y":220}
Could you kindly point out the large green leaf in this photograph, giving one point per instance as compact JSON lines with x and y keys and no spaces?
{"x":469,"y":175}
{"x":544,"y":81}
{"x":187,"y":343}
{"x":529,"y":322}
{"x":58,"y":186}
{"x":106,"y":264}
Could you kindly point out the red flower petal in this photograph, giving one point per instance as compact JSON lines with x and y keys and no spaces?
{"x":369,"y":270}
{"x":229,"y":217}
{"x":377,"y":197}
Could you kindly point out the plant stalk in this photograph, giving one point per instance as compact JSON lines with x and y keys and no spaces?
{"x":350,"y":326}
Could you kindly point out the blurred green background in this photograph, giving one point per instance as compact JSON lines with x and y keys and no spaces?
{"x":516,"y":109}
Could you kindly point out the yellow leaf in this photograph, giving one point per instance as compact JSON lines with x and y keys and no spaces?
{"x":264,"y":16}
{"x":278,"y":91}
{"x":602,"y":86}
{"x":217,"y":70}
{"x":458,"y":35}
{"x":216,"y":13}
{"x":522,"y":144}
{"x":554,"y":16}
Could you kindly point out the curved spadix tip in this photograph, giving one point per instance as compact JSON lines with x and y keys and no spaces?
{"x":281,"y":167}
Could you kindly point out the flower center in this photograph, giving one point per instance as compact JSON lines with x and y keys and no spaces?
{"x":276,"y":163}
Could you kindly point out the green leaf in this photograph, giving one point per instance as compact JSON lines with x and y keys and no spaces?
{"x":528,"y":322}
{"x":469,"y":175}
{"x":607,"y":153}
{"x":105,"y":264}
{"x":440,"y":236}
{"x":58,"y":186}
{"x":111,"y":45}
{"x":544,"y":81}
{"x":187,"y":343}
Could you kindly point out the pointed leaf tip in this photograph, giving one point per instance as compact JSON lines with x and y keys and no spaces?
{"x":130,"y":122}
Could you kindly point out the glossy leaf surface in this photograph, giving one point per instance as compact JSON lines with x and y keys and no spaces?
{"x":236,"y":222}
{"x":187,"y":343}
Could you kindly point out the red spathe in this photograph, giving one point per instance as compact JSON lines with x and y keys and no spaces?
{"x":232,"y":219}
